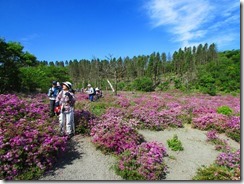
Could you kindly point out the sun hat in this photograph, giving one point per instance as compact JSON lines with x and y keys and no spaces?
{"x":89,"y":85}
{"x":54,"y":82}
{"x":97,"y":89}
{"x":68,"y":84}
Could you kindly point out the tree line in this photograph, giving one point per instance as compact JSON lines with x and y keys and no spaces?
{"x":199,"y":67}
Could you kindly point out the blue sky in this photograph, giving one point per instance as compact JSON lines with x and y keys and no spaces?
{"x":59,"y":30}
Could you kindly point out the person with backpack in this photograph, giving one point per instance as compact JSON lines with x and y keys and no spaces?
{"x":91,"y":92}
{"x":99,"y":93}
{"x":66,"y":101}
{"x":59,"y":87}
{"x":52,"y":94}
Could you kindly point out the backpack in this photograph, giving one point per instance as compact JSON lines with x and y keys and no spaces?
{"x":94,"y":91}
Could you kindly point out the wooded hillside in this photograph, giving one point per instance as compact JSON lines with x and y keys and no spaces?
{"x":200,"y":68}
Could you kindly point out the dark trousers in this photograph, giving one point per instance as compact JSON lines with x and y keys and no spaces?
{"x":52,"y":106}
{"x":91,"y":98}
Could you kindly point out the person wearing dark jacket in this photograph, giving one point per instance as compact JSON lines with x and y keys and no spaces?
{"x":52,"y":94}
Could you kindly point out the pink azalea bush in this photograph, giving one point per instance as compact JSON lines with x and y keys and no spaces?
{"x":210,"y":120}
{"x":123,"y":101}
{"x":143,"y":162}
{"x":29,"y":144}
{"x":229,"y":159}
{"x":212,"y":135}
{"x":82,"y":120}
{"x":226,"y":167}
{"x":220,"y":144}
{"x":153,"y":113}
{"x":205,"y":115}
{"x":28,"y":141}
{"x":233,"y":128}
{"x":158,"y":111}
{"x":111,"y":134}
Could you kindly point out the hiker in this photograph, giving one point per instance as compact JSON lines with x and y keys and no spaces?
{"x":91,"y":92}
{"x":59,"y":86}
{"x":99,"y":93}
{"x":52,"y":94}
{"x":66,"y":101}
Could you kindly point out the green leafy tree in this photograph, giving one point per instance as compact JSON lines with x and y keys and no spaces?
{"x":143,"y":84}
{"x":12,"y":58}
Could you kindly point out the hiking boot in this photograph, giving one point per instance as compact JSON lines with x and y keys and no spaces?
{"x":70,"y":136}
{"x":61,"y":134}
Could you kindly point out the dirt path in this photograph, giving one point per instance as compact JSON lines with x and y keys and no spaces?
{"x":84,"y":162}
{"x":197,"y":151}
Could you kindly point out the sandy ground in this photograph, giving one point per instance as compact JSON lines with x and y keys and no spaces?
{"x":84,"y":162}
{"x":197,"y":151}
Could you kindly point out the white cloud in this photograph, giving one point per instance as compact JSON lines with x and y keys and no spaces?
{"x":30,"y":37}
{"x":27,"y":40}
{"x":193,"y":21}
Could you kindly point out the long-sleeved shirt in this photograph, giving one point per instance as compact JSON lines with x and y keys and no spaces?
{"x":67,"y":103}
{"x":90,"y":91}
{"x":52,"y":93}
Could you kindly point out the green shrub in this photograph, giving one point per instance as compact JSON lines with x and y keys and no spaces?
{"x":121,"y":86}
{"x":98,"y":108}
{"x":224,"y":110}
{"x":175,"y":144}
{"x":143,"y":84}
{"x":207,"y":84}
{"x":234,"y":134}
{"x":213,"y":172}
{"x":32,"y":173}
{"x":164,"y":86}
{"x":178,"y":84}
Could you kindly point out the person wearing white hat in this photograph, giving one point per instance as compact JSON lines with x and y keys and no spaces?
{"x":66,"y":101}
{"x":91,"y":92}
{"x":98,"y":93}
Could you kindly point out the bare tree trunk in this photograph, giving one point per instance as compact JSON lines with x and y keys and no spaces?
{"x":110,"y":85}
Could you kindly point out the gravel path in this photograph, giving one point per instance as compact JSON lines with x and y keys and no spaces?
{"x":84,"y":162}
{"x":197,"y":151}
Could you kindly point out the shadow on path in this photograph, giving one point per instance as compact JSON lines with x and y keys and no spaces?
{"x":72,"y":153}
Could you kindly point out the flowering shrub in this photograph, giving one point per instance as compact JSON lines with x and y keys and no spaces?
{"x":154,"y":120}
{"x":28,"y":141}
{"x":210,"y":121}
{"x":226,"y":167}
{"x":212,"y":135}
{"x":157,"y":111}
{"x":82,"y":120}
{"x":111,"y":134}
{"x":227,"y":164}
{"x":233,"y":128}
{"x":143,"y":162}
{"x":220,"y":144}
{"x":216,"y":173}
{"x":219,"y":122}
{"x":123,"y":102}
{"x":229,"y":159}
